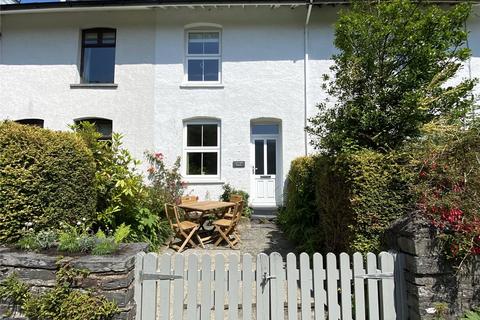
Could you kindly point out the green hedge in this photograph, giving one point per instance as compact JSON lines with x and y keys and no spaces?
{"x":46,"y":178}
{"x":346,"y":202}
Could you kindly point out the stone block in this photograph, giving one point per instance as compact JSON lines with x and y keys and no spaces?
{"x":121,"y":297}
{"x":21,"y":259}
{"x":111,"y":276}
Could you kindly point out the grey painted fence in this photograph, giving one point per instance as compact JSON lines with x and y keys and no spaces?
{"x":223,"y":287}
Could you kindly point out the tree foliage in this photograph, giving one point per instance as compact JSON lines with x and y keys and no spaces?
{"x":392,"y":74}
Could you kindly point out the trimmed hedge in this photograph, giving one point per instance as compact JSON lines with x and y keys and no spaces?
{"x":344,"y":203}
{"x":46,"y":178}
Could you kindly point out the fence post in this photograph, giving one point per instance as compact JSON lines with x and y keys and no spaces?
{"x":401,"y":306}
{"x":138,"y":284}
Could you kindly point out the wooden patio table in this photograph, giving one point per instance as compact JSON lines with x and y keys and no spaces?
{"x":206,"y":209}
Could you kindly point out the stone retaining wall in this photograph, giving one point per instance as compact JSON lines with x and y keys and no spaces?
{"x":429,"y":277}
{"x":110,"y":275}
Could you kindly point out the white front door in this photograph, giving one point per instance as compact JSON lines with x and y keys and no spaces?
{"x":264,"y":170}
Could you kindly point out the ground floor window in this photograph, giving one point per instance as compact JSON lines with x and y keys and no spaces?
{"x":103,"y":126}
{"x":202,"y":149}
{"x":31,"y":122}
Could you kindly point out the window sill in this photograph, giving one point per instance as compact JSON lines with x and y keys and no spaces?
{"x":188,"y":85}
{"x":206,"y":181}
{"x":93,"y":86}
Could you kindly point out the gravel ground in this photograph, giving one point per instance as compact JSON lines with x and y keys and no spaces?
{"x":257,"y":236}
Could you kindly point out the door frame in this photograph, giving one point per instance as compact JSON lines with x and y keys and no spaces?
{"x":278,"y":174}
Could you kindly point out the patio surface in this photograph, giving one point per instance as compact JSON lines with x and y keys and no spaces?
{"x":257,"y":235}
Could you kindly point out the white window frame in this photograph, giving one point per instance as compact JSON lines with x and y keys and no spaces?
{"x":187,"y":149}
{"x":203,"y":57}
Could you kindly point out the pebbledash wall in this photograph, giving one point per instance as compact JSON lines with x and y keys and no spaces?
{"x":263,"y":78}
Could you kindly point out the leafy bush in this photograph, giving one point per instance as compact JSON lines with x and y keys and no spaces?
{"x":379,"y":193}
{"x":344,"y":203}
{"x":472,"y":315}
{"x":46,"y":178}
{"x":72,"y":240}
{"x":32,"y":241}
{"x":122,"y":197}
{"x":61,"y":302}
{"x":13,"y":293}
{"x":228,"y":190}
{"x":166,"y":185}
{"x":299,"y":216}
{"x":446,"y":165}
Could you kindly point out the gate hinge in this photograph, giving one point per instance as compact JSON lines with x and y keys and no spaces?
{"x":378,"y":276}
{"x":267,"y":276}
{"x":158,"y":276}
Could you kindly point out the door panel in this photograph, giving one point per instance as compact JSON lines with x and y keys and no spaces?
{"x":265,"y":154}
{"x":259,"y":155}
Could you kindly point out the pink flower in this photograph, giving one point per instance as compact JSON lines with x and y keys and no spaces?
{"x":183,"y":184}
{"x":158,"y":156}
{"x":151,"y":170}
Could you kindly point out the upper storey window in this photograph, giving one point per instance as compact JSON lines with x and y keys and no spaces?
{"x":98,"y":55}
{"x":203,"y":56}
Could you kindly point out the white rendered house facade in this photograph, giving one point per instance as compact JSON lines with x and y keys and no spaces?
{"x":227,"y":86}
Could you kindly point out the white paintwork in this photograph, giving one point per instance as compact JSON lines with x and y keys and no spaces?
{"x":281,"y":291}
{"x":263,"y":77}
{"x":265,"y":187}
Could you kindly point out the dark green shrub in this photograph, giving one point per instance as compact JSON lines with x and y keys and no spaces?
{"x":345,"y":203}
{"x":228,"y":190}
{"x":378,"y":189}
{"x":46,"y":178}
{"x":299,"y":216}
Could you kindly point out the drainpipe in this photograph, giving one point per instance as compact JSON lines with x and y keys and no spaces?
{"x":305,"y":71}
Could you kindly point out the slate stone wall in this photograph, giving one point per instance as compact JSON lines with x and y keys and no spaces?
{"x":429,"y":277}
{"x":111,"y":275}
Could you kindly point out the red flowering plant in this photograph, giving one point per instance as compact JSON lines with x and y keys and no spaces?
{"x":448,"y":186}
{"x":166,"y":184}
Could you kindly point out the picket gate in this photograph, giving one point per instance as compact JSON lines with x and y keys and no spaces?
{"x":268,"y":288}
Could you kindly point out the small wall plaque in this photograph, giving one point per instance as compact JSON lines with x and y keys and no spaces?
{"x":239,"y":164}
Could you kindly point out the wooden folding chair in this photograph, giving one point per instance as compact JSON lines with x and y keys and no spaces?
{"x":184,"y":230}
{"x":233,"y":198}
{"x":194,"y":215}
{"x":226,"y":228}
{"x":236,"y":198}
{"x":188,"y":199}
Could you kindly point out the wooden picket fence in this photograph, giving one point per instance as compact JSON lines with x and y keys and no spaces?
{"x":223,"y":287}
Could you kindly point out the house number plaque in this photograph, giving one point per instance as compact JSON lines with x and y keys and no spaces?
{"x":239,"y":164}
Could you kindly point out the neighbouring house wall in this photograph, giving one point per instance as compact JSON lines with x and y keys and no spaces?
{"x":111,"y":276}
{"x":430,"y":278}
{"x":40,"y":58}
